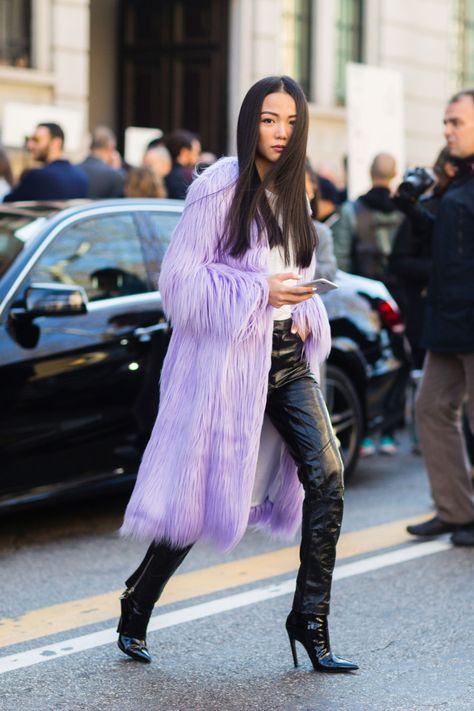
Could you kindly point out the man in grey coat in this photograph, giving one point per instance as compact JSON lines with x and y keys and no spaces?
{"x":104,"y":181}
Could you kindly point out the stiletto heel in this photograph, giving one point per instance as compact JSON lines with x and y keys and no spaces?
{"x":293,"y":649}
{"x":314,"y":636}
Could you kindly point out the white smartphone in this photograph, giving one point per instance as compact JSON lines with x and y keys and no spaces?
{"x":320,"y":286}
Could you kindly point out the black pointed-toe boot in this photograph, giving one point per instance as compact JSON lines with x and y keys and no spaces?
{"x":313,"y":634}
{"x":132,"y":629}
{"x":144,"y":588}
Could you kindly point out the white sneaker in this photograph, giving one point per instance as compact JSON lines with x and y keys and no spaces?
{"x":387,"y":446}
{"x":367,"y":447}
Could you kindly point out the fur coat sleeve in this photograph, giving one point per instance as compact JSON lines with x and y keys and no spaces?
{"x":201,"y":293}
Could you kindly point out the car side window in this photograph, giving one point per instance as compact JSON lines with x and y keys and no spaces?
{"x":164,"y":224}
{"x":155,"y":245}
{"x":101,"y":253}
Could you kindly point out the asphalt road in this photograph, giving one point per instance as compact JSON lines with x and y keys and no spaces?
{"x":401,"y":608}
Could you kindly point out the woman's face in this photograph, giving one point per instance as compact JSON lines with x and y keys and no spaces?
{"x":277,"y":118}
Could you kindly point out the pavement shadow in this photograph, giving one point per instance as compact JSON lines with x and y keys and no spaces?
{"x":68,"y":519}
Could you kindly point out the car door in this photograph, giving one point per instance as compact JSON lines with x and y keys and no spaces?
{"x":76,"y":410}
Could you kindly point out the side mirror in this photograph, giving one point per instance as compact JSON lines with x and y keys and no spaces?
{"x":55,"y":300}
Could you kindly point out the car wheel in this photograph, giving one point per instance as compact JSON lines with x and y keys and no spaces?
{"x":346,"y":416}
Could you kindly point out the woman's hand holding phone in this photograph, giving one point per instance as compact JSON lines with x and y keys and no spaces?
{"x":281,"y":294}
{"x":320,"y":286}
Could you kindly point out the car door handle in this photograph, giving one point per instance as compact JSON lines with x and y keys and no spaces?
{"x":145,"y":333}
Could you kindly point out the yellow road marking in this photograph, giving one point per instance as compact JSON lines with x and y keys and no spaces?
{"x":98,"y":608}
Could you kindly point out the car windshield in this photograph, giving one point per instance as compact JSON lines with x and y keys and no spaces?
{"x":15,"y":232}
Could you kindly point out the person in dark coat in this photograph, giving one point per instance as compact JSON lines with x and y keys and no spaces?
{"x":327,"y":202}
{"x":104,"y":181}
{"x":411,"y":260}
{"x":59,"y":179}
{"x":326,"y":265}
{"x":184,"y":148}
{"x":448,"y":335}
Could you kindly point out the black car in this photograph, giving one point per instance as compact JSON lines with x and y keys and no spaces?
{"x":83,"y":337}
{"x":369,"y":364}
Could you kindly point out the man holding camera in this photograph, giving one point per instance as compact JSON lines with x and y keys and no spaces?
{"x":448,"y":334}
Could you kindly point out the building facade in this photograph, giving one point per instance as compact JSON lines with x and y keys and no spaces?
{"x":188,"y":63}
{"x":44,"y":53}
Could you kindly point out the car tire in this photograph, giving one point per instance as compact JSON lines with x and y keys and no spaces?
{"x":346,"y":416}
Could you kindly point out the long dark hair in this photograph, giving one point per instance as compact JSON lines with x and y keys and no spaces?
{"x":286,"y":176}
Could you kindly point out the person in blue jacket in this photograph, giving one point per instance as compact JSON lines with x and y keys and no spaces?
{"x":58,"y":179}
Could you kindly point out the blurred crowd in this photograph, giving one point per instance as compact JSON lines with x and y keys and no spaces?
{"x":166,"y":169}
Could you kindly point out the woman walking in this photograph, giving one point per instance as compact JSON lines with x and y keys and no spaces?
{"x":242,"y":434}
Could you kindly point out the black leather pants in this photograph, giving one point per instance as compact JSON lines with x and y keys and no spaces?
{"x":297,"y":410}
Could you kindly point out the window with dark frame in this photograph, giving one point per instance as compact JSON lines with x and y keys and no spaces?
{"x":465,"y":63}
{"x":15,"y":33}
{"x":103,"y":254}
{"x":297,"y":47}
{"x":349,"y":41}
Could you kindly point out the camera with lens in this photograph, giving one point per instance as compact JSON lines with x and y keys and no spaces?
{"x":415,"y":182}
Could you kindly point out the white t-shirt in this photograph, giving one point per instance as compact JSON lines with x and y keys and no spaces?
{"x":277,"y":265}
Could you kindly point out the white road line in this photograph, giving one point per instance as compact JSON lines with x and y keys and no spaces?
{"x":214,"y":607}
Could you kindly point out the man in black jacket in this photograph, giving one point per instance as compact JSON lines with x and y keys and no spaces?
{"x":58,"y":180}
{"x":448,"y":336}
{"x":410,"y":259}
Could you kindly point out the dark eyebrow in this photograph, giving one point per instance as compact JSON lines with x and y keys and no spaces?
{"x":274,"y":114}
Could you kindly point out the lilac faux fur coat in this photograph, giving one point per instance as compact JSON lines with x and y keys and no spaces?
{"x":198,"y":470}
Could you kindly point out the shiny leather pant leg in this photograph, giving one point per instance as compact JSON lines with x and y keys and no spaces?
{"x":298,"y":411}
{"x":157,"y":567}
